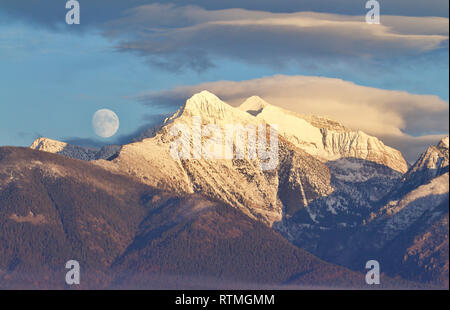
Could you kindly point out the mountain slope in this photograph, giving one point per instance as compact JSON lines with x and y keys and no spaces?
{"x":240,"y":182}
{"x":408,"y":230}
{"x":325,"y":138}
{"x":54,"y":209}
{"x":214,"y":241}
{"x":62,"y":148}
{"x":431,"y":163}
{"x":340,"y":194}
{"x":74,"y":151}
{"x":311,"y":140}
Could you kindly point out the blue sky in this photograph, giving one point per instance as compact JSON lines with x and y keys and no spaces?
{"x":53,"y":76}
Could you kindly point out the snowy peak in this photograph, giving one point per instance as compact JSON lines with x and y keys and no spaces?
{"x":74,"y":151}
{"x":433,"y":163}
{"x":324,"y":138}
{"x":62,"y":148}
{"x":204,"y":101}
{"x":320,"y":137}
{"x":206,"y":104}
{"x":434,"y":160}
{"x":444,"y":143}
{"x":253,"y":105}
{"x":211,"y":109}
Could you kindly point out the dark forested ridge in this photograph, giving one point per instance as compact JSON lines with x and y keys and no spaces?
{"x":53,"y":209}
{"x":129,"y":235}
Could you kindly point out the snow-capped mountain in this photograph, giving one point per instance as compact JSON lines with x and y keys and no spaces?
{"x":309,"y":148}
{"x":65,"y":149}
{"x":408,"y":229}
{"x":325,"y":138}
{"x":298,"y":178}
{"x":74,"y":151}
{"x":432,"y":163}
{"x":341,"y":194}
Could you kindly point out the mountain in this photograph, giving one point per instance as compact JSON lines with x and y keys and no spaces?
{"x":412,"y":227}
{"x":358,"y":186}
{"x":432,"y":163}
{"x":62,"y":148}
{"x":340,"y":194}
{"x":74,"y":151}
{"x":54,"y":209}
{"x":325,"y":138}
{"x":297,"y":177}
{"x":408,"y":230}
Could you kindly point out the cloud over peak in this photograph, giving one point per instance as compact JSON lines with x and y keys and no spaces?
{"x":189,"y":36}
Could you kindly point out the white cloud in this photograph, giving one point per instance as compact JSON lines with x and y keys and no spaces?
{"x":190,"y":36}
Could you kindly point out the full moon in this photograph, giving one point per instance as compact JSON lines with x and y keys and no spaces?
{"x":105,"y":123}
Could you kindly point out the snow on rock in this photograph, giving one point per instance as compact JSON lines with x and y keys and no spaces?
{"x":444,"y":143}
{"x":74,"y":151}
{"x":253,"y":105}
{"x":325,"y":138}
{"x":434,"y":159}
{"x":307,"y":144}
{"x":108,"y":151}
{"x":298,"y":179}
{"x":398,"y":215}
{"x":62,"y":148}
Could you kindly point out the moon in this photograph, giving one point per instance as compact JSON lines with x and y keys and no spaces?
{"x":105,"y":123}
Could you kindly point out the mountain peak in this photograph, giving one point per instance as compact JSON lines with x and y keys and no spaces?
{"x":63,"y":148}
{"x":253,"y":105}
{"x":211,"y":108}
{"x":204,"y":102}
{"x":74,"y":151}
{"x":444,"y":143}
{"x":431,"y":163}
{"x":204,"y":96}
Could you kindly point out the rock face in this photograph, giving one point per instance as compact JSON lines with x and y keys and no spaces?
{"x":108,"y":151}
{"x":306,"y":150}
{"x":432,"y":163}
{"x":74,"y":151}
{"x":325,"y":138}
{"x":406,"y":231}
{"x":62,"y":148}
{"x":412,"y":227}
{"x":340,"y":194}
{"x":358,"y":186}
{"x":298,"y":177}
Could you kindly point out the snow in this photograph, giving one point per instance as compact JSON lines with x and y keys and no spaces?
{"x":407,"y":210}
{"x":62,"y":148}
{"x":444,"y":143}
{"x":243,"y":184}
{"x":296,"y":130}
{"x":330,"y":141}
{"x":254,"y":103}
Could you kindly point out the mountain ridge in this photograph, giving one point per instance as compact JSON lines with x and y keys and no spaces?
{"x":330,"y":184}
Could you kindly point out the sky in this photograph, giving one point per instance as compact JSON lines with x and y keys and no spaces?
{"x":143,"y":59}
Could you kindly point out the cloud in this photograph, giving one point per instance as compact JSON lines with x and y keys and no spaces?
{"x":189,"y":36}
{"x":95,"y":12}
{"x":406,"y":121}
